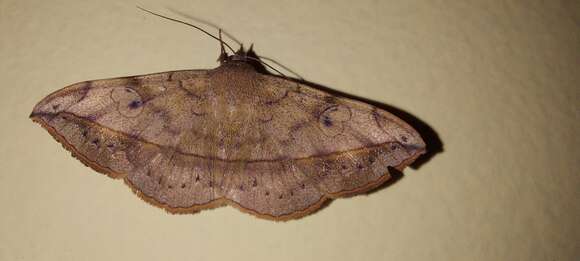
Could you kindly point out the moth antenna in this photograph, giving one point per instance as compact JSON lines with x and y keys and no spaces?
{"x":251,"y":50}
{"x":210,"y":24}
{"x":223,"y":55}
{"x":267,"y":65}
{"x":188,"y":24}
{"x":281,"y":65}
{"x":221,"y":42}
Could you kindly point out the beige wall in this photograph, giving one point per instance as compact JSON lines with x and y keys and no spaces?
{"x":497,"y":81}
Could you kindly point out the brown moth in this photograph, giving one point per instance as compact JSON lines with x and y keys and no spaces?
{"x":197,"y":139}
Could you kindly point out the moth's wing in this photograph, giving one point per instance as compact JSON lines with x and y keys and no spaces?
{"x":313,"y":140}
{"x":160,"y":133}
{"x":132,"y":128}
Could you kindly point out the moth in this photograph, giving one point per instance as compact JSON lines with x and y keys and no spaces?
{"x":190,"y":140}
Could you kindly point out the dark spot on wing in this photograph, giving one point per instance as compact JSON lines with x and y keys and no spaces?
{"x":326,"y":121}
{"x":135,"y":104}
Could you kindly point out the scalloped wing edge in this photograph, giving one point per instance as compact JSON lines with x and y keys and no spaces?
{"x":324,"y":200}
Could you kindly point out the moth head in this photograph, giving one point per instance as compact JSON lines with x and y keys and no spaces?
{"x":244,"y":57}
{"x":240,"y":55}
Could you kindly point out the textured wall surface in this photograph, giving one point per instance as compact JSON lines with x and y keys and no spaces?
{"x":497,"y":82}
